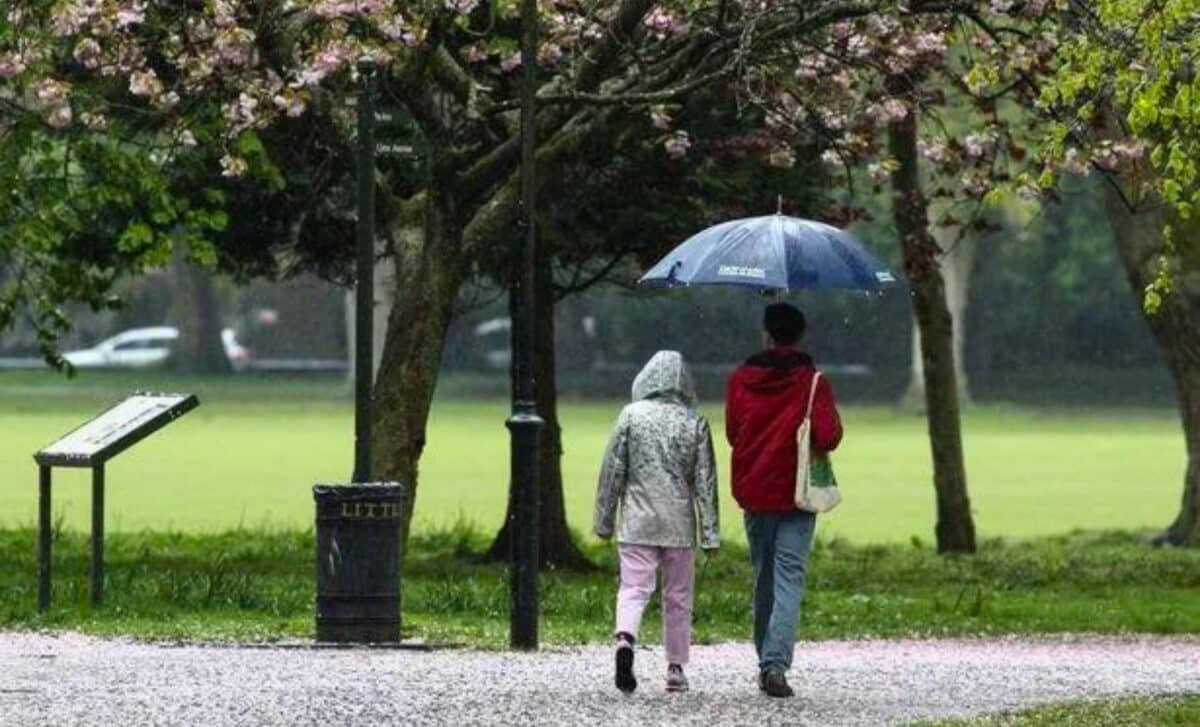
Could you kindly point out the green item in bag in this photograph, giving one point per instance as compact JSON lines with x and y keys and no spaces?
{"x":821,"y":471}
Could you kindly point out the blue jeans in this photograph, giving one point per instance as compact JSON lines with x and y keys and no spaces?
{"x":779,"y":548}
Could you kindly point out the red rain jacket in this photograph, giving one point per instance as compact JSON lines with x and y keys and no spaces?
{"x":764,"y":406}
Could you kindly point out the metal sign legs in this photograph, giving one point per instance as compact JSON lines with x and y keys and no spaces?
{"x":43,"y":538}
{"x":45,"y":535}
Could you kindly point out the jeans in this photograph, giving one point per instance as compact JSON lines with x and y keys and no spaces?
{"x":639,"y":564}
{"x":779,"y":547}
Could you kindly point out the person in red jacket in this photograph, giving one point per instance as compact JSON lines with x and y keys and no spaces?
{"x":764,"y":406}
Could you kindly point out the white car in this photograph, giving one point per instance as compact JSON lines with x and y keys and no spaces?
{"x":140,"y":348}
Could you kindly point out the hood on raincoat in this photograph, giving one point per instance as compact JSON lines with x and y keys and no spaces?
{"x":665,"y":375}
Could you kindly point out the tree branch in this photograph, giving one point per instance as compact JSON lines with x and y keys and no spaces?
{"x":500,"y":212}
{"x":647,"y":97}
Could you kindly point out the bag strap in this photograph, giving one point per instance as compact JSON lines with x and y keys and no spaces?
{"x":812,"y":395}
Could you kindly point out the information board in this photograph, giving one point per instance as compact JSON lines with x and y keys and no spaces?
{"x":115,"y":429}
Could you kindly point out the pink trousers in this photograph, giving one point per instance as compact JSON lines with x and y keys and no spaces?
{"x":639,"y":564}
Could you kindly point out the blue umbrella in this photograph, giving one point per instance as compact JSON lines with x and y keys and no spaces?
{"x":769,"y":253}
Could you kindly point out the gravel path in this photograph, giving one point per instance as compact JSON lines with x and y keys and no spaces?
{"x":69,"y":679}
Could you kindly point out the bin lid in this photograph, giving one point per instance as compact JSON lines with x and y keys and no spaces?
{"x":361,"y":491}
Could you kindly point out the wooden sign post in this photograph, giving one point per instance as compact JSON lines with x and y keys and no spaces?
{"x":91,"y":445}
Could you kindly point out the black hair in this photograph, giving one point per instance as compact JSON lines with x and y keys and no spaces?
{"x":784,"y":323}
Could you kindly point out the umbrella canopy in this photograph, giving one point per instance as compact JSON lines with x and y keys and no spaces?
{"x":775,"y":252}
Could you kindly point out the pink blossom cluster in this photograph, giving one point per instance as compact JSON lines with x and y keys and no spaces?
{"x":348,"y":8}
{"x":664,"y":23}
{"x":88,"y":53}
{"x":677,"y":144}
{"x":71,"y":16}
{"x":53,"y":97}
{"x":329,"y":59}
{"x":936,"y":151}
{"x":11,"y":64}
{"x":660,"y":117}
{"x":889,"y":110}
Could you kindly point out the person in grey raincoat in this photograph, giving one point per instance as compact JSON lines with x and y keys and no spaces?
{"x":658,"y":495}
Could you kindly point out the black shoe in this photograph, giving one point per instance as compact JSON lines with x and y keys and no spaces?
{"x":762,"y":680}
{"x":774,"y":683}
{"x":626,"y":682}
{"x":676,"y":681}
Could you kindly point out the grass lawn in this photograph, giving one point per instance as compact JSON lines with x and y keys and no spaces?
{"x":1158,"y":712}
{"x":248,"y":456}
{"x":259,"y":585}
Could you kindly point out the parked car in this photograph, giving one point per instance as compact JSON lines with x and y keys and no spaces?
{"x":140,"y":348}
{"x":493,"y":336}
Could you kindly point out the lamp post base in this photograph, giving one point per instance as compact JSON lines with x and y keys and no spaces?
{"x":525,"y":426}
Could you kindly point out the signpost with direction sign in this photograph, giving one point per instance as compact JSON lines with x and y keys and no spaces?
{"x":358,"y":577}
{"x":368,"y":148}
{"x":91,"y":445}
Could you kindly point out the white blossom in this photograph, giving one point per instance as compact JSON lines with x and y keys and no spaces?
{"x":145,"y":83}
{"x":60,"y":116}
{"x":660,"y":118}
{"x":782,"y":156}
{"x":677,"y":145}
{"x":130,"y":13}
{"x":233,"y":166}
{"x":87,"y":53}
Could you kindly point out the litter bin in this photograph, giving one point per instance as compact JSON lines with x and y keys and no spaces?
{"x":358,"y":562}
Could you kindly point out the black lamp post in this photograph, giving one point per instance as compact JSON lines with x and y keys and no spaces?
{"x":525,"y":425}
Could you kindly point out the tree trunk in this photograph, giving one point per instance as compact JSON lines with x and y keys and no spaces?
{"x":556,"y":548}
{"x":1176,"y":327}
{"x":429,"y":273}
{"x":196,"y":313}
{"x":1185,"y":530}
{"x":956,"y":265}
{"x":955,"y":528}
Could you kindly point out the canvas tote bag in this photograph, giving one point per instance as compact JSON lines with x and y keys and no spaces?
{"x":816,"y":487}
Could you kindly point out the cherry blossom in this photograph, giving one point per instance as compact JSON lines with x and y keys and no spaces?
{"x":11,"y":65}
{"x":663,"y":23}
{"x":782,"y":156}
{"x":290,"y":102}
{"x":145,"y":83}
{"x":677,"y":144}
{"x":87,"y":53}
{"x":511,"y":62}
{"x":131,"y":13}
{"x":60,"y":116}
{"x":51,"y":92}
{"x":936,"y":152}
{"x":233,"y":166}
{"x":659,"y":117}
{"x":94,"y":122}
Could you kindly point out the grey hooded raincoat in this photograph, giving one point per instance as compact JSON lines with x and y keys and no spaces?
{"x":659,"y":471}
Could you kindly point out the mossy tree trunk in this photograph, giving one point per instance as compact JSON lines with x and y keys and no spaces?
{"x":1138,"y":234}
{"x":196,"y":313}
{"x":955,"y":530}
{"x":429,"y":273}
